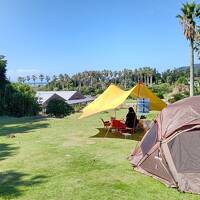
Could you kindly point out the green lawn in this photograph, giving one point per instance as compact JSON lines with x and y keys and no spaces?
{"x":64,"y":159}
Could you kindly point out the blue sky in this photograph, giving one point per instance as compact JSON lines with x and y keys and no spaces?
{"x":68,"y":36}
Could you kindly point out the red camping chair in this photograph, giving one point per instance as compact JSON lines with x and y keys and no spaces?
{"x":118,"y":125}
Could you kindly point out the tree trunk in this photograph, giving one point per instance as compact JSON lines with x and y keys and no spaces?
{"x":147,"y":79}
{"x":151,"y":80}
{"x":91,"y":82}
{"x":191,"y":68}
{"x":125,"y":83}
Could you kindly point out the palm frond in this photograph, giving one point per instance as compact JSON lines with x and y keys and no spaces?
{"x":189,"y":12}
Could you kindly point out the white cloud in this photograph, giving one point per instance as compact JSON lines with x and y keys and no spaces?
{"x":27,"y":71}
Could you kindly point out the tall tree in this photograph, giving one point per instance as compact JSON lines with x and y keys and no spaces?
{"x":28,"y":78}
{"x":47,"y":78}
{"x":67,"y":80}
{"x":23,"y":79}
{"x":190,"y":12}
{"x":3,"y":83}
{"x":41,"y":77}
{"x":34,"y":78}
{"x":54,"y":78}
{"x":61,"y":79}
{"x":20,"y":79}
{"x":3,"y":64}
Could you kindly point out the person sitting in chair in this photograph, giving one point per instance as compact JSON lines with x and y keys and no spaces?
{"x":131,"y":118}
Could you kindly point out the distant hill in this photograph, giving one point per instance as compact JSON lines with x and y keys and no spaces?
{"x":196,"y":67}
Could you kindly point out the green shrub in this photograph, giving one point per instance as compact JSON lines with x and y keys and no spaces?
{"x":176,"y":97}
{"x":160,"y":95}
{"x":161,"y":89}
{"x":59,"y":108}
{"x":16,"y":99}
{"x":182,"y":80}
{"x":78,"y":107}
{"x":20,"y":100}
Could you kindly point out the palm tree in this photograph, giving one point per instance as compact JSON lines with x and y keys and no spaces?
{"x":34,"y":77}
{"x":61,"y":78}
{"x":20,"y":79}
{"x":67,"y":80}
{"x":189,"y":13}
{"x":54,"y":78}
{"x":135,"y":73}
{"x":47,"y":78}
{"x":23,"y":79}
{"x":28,"y":78}
{"x":41,"y":77}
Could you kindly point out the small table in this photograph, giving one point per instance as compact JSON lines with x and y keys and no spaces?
{"x":126,"y":135}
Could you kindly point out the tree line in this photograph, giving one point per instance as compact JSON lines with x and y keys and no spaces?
{"x":34,"y":78}
{"x":94,"y":82}
{"x":87,"y":78}
{"x":16,"y":99}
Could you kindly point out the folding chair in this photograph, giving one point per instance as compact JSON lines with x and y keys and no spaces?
{"x":106,"y":124}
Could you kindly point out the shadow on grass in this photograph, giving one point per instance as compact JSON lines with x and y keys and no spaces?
{"x":14,"y":121}
{"x":13,"y":184}
{"x":24,"y":128}
{"x":9,"y":125}
{"x":103,"y":133}
{"x":6,"y":150}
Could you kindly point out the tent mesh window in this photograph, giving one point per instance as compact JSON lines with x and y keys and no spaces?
{"x":150,"y":139}
{"x":185,"y":151}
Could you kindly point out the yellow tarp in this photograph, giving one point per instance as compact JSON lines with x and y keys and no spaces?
{"x":114,"y":96}
{"x":110,"y":99}
{"x":142,"y":91}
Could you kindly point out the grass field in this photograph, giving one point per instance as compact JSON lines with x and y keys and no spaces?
{"x":65,"y":159}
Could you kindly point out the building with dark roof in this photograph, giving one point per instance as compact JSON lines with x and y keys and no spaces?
{"x":70,"y":97}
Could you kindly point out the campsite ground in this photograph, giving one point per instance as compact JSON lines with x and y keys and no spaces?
{"x":70,"y":159}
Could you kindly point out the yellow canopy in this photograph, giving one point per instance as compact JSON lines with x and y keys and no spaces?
{"x":114,"y":96}
{"x":142,"y":91}
{"x":110,"y":99}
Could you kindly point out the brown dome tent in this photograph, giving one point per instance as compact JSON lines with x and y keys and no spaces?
{"x":170,"y":150}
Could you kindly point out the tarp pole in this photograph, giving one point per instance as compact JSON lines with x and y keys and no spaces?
{"x":138,"y":95}
{"x":139,"y":90}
